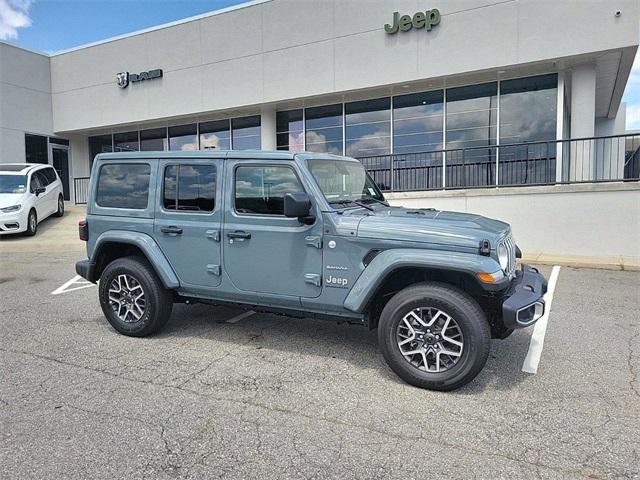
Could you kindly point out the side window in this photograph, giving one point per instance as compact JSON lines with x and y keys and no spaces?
{"x":189,"y":188}
{"x":35,"y":182}
{"x":42,"y":178}
{"x":261,"y":190}
{"x":50,"y":173}
{"x":123,"y":185}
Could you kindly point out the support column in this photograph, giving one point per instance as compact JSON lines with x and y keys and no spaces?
{"x":583,"y":114}
{"x":268,"y":128}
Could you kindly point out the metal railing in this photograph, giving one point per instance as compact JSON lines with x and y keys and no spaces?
{"x":80,"y":190}
{"x":583,"y":160}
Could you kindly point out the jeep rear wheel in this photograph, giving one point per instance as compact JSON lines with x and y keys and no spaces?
{"x":434,"y":336}
{"x":132,"y":297}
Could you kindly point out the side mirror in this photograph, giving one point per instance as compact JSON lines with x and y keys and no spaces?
{"x":40,"y":190}
{"x":297,"y":205}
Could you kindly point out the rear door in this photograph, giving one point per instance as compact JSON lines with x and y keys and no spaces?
{"x":188,"y":219}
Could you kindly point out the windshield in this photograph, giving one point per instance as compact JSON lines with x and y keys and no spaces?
{"x":13,"y":183}
{"x":344,"y":182}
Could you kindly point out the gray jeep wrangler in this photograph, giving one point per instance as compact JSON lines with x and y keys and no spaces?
{"x":304,"y":235}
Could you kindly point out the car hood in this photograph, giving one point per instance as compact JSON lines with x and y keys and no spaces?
{"x":9,"y":199}
{"x":431,"y":226}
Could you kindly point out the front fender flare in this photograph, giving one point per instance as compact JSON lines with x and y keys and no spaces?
{"x":388,"y":261}
{"x":148,"y":246}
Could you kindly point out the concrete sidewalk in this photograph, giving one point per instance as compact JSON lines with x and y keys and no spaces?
{"x":54,"y":235}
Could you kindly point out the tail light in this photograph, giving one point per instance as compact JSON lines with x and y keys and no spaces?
{"x":83,"y":230}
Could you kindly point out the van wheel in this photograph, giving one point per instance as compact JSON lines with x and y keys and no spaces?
{"x":32,"y":223}
{"x":132,"y":297}
{"x":434,"y":336}
{"x":60,"y":211}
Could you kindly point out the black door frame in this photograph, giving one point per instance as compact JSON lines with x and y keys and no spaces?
{"x":66,"y":179}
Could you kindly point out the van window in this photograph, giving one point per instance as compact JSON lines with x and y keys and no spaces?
{"x":261,"y":190}
{"x":123,"y":185}
{"x":50,"y":173}
{"x":189,"y":188}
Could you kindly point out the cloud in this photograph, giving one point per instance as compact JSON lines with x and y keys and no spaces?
{"x":632,"y":96}
{"x":14,"y":14}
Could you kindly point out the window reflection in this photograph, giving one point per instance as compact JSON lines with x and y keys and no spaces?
{"x":246,"y":133}
{"x":189,"y":188}
{"x":417,"y":122}
{"x":125,"y":142}
{"x":368,"y":127}
{"x":290,"y":130}
{"x":154,"y":139}
{"x":123,"y":185}
{"x":324,"y":129}
{"x":215,"y":135}
{"x":183,"y":137}
{"x":471,"y":115}
{"x":261,"y":190}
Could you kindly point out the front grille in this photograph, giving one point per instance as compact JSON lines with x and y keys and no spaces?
{"x":510,"y":245}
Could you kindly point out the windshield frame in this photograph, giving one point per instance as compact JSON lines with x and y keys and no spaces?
{"x":16,"y":191}
{"x":341,"y":202}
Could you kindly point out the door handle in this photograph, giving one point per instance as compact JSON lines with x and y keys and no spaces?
{"x":239,"y":234}
{"x":171,"y":230}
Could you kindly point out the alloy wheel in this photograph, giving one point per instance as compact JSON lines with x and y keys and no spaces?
{"x":127,"y":298}
{"x":430,"y":339}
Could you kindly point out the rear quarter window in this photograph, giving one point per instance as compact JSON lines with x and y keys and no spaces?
{"x":123,"y":185}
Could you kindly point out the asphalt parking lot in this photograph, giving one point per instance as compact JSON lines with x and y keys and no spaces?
{"x":218,"y":395}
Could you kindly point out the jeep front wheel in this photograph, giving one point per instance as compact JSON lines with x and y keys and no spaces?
{"x":132,"y":297}
{"x":434,"y":336}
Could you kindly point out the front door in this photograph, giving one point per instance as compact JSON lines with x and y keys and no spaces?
{"x":264,"y":251}
{"x":188,"y":219}
{"x":60,"y":161}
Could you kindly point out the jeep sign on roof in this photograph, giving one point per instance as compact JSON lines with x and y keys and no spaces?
{"x":404,"y":23}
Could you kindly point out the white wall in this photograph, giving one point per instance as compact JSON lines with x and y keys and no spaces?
{"x":592,"y":224}
{"x":286,"y":49}
{"x":25,"y":100}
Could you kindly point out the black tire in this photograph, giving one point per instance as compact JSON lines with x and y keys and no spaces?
{"x":467,"y":314}
{"x":32,"y":223}
{"x":60,"y":211}
{"x":158,"y":300}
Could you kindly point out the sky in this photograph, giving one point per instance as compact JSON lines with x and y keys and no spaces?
{"x":54,"y":25}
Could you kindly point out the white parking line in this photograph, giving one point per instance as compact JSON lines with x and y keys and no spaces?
{"x":532,"y":359}
{"x":242,"y":316}
{"x":76,"y":283}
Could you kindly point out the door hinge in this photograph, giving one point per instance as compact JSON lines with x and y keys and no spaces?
{"x":313,"y":278}
{"x":214,"y":269}
{"x":213,"y":235}
{"x":314,"y":241}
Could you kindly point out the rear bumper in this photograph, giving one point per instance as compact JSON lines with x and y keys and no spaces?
{"x":523,"y":303}
{"x":86,"y":268}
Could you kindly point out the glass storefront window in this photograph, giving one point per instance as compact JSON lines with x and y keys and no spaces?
{"x":183,"y":137}
{"x":99,"y":144}
{"x":125,"y":142}
{"x":154,"y":139}
{"x":215,"y":135}
{"x":471,"y":115}
{"x":368,"y":127}
{"x":246,"y":133}
{"x":290,"y":130}
{"x":36,"y":149}
{"x":324,"y":129}
{"x":417,"y":122}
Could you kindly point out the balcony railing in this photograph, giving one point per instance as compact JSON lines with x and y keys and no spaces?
{"x":583,"y":160}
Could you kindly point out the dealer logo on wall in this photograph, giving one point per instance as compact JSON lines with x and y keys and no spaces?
{"x":124,"y":78}
{"x":403,"y":23}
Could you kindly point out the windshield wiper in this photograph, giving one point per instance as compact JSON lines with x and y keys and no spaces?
{"x":376,"y":200}
{"x":355,"y":202}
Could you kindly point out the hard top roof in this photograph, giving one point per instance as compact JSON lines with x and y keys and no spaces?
{"x":20,"y":168}
{"x":230,"y":154}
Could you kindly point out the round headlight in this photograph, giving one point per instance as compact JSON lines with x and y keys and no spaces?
{"x":503,"y":257}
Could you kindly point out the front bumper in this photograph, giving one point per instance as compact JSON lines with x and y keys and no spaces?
{"x":13,"y":222}
{"x":523,"y":303}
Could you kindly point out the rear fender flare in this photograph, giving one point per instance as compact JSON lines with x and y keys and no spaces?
{"x":148,"y":246}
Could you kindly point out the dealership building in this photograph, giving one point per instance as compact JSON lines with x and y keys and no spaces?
{"x":449,"y":97}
